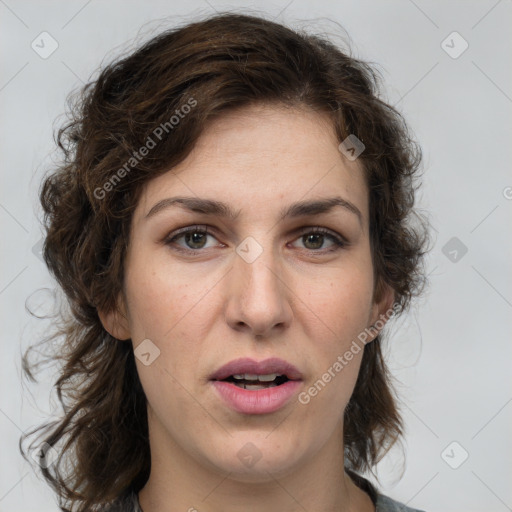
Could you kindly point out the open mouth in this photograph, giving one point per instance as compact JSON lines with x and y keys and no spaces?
{"x":244,"y":384}
{"x":254,"y":382}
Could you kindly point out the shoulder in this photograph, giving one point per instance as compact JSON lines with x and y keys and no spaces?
{"x":382,"y":503}
{"x":385,"y":504}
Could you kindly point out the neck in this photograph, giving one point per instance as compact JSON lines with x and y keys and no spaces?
{"x":180,"y":482}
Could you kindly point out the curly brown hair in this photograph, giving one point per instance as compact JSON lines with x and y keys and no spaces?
{"x":223,"y":62}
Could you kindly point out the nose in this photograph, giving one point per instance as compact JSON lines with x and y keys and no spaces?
{"x":258,"y":296}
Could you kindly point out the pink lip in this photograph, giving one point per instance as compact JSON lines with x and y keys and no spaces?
{"x":247,"y":365}
{"x":260,"y":401}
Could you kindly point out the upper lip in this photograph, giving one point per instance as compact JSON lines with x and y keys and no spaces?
{"x":265,"y":367}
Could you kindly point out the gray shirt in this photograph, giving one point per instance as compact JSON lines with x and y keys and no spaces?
{"x":130,"y":503}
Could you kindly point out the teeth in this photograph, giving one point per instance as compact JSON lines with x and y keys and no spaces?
{"x":262,"y":378}
{"x":256,"y":386}
{"x":268,"y":378}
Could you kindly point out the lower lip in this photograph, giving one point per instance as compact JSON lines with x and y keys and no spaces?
{"x":259,"y":401}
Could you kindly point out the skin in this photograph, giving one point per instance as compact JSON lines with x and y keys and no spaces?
{"x":297,"y":301}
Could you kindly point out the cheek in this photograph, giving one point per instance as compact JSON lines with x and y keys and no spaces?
{"x":160,"y":298}
{"x":163,"y":308}
{"x":342,"y":304}
{"x":169,"y":306}
{"x":338,"y":313}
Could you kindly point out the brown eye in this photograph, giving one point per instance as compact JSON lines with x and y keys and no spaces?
{"x":314,"y":240}
{"x":194,"y":238}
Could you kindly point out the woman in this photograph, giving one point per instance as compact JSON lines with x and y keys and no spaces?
{"x":230,"y":225}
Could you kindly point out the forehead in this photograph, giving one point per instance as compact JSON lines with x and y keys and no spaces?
{"x":263,"y":156}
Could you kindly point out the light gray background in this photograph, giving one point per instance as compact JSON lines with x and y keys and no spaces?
{"x":451,"y":354}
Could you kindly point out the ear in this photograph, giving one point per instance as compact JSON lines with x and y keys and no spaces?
{"x":115,"y":321}
{"x":382,"y":309}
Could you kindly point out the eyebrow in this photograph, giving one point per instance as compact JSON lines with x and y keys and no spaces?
{"x":212,"y":207}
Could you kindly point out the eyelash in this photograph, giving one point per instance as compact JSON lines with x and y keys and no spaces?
{"x":339,"y":242}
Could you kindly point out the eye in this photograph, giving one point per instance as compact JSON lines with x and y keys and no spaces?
{"x":314,"y":238}
{"x":194,"y":237}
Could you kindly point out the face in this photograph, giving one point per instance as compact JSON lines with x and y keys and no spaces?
{"x":256,"y":285}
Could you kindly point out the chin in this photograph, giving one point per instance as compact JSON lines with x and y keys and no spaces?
{"x":252,"y":458}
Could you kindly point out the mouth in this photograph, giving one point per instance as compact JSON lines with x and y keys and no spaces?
{"x":250,"y":374}
{"x":255,"y":382}
{"x":251,"y":387}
